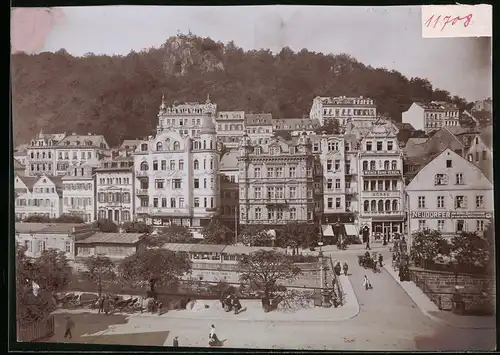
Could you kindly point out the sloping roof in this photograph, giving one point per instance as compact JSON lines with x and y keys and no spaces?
{"x":23,"y":227}
{"x":29,"y":227}
{"x":18,"y":165}
{"x":21,"y":148}
{"x":401,"y":125}
{"x":237,"y":249}
{"x":130,"y":143}
{"x":258,"y":119}
{"x":29,"y":181}
{"x":440,"y":140}
{"x":487,"y":136}
{"x":458,"y":130}
{"x":229,"y":161}
{"x":112,"y":238}
{"x":75,"y":140}
{"x":294,"y":124}
{"x":194,"y":248}
{"x":57,"y":180}
{"x":437,"y":105}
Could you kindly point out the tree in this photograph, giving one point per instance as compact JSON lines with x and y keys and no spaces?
{"x":99,"y":269}
{"x":158,"y":267}
{"x":68,"y":218}
{"x":37,"y":219}
{"x":470,"y":250}
{"x":255,"y":235}
{"x":52,"y":271}
{"x":295,"y":235}
{"x":217,"y":233}
{"x":425,"y":246}
{"x":263,"y":269}
{"x":30,"y":307}
{"x":330,"y":126}
{"x":173,"y":234}
{"x":136,"y":227}
{"x":106,"y":226}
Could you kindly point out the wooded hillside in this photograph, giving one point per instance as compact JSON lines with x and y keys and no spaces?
{"x":118,"y":96}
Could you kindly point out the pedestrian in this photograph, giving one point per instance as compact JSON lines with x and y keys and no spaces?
{"x":368,"y":244}
{"x":176,"y":342}
{"x":345,"y":268}
{"x":366,"y":283}
{"x":69,"y":325}
{"x":106,"y":305}
{"x":160,"y":304}
{"x":101,"y":304}
{"x":380,"y":259}
{"x":212,"y":337}
{"x":221,"y":299}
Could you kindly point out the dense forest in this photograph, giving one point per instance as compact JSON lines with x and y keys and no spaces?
{"x":119,"y":96}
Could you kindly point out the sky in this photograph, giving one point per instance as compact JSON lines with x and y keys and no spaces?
{"x":387,"y":37}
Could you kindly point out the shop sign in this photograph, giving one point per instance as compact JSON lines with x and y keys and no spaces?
{"x":451,"y":214}
{"x":382,"y":172}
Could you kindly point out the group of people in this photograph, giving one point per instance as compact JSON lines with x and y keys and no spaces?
{"x":230,"y":302}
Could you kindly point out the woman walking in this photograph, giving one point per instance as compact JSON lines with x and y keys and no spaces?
{"x":366,"y":283}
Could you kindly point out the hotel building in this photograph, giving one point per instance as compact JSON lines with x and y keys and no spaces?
{"x":432,"y":116}
{"x":230,"y":127}
{"x":344,"y":109}
{"x":79,"y":192}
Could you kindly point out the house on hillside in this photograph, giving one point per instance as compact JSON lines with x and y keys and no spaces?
{"x":39,"y":196}
{"x":112,"y":245}
{"x":449,"y":194}
{"x":432,"y":116}
{"x":480,"y":152}
{"x":38,"y":237}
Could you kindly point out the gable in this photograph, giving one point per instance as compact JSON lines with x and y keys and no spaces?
{"x":473,"y":177}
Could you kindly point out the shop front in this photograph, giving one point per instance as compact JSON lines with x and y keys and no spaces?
{"x":387,"y":229}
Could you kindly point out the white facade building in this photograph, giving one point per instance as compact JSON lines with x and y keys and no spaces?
{"x":451,"y":195}
{"x":79,"y":192}
{"x":259,"y":127}
{"x":380,"y":182}
{"x":230,"y":127}
{"x":40,"y":196}
{"x":344,"y":109}
{"x":432,"y":116}
{"x":177,"y":176}
{"x":115,"y":183}
{"x":75,"y":149}
{"x":40,"y":154}
{"x":185,"y":119}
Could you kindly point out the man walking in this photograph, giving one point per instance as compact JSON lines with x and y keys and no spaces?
{"x":176,"y":342}
{"x":69,"y":325}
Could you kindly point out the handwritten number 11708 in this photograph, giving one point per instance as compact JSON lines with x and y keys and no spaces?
{"x":444,"y":21}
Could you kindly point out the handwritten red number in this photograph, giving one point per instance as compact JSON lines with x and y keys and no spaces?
{"x":431,"y":21}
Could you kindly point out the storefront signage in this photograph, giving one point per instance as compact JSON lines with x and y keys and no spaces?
{"x":452,"y":214}
{"x":384,"y":194}
{"x":160,"y":222}
{"x":381,"y":172}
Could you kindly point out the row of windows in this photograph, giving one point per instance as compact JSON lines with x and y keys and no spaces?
{"x":178,"y":202}
{"x":440,"y":114}
{"x":386,"y":165}
{"x":172,"y":166}
{"x":44,"y":190}
{"x":277,"y":214}
{"x":185,"y":121}
{"x":40,"y":167}
{"x":277,"y":172}
{"x":74,"y":156}
{"x":42,"y":143}
{"x":379,"y":146}
{"x":278,"y":192}
{"x":442,"y":179}
{"x":41,"y":245}
{"x":114,"y":197}
{"x":78,"y":201}
{"x":36,"y":202}
{"x":380,"y":185}
{"x":348,"y":112}
{"x":114,"y":181}
{"x":230,"y":127}
{"x":259,"y":130}
{"x":475,"y":157}
{"x":114,"y":215}
{"x":460,"y":225}
{"x":380,"y":206}
{"x":77,"y":186}
{"x":459,"y":201}
{"x":41,"y":155}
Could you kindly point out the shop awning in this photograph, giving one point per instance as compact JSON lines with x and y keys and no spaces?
{"x":351,"y":229}
{"x":327,"y":230}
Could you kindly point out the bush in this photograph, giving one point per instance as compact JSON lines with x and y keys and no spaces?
{"x":301,"y":259}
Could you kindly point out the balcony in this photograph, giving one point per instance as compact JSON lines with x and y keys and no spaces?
{"x":143,"y":209}
{"x":142,"y":174}
{"x":141,"y":192}
{"x":349,"y":172}
{"x":351,"y":191}
{"x":377,"y":173}
{"x":275,"y":201}
{"x":211,"y":209}
{"x":383,"y":213}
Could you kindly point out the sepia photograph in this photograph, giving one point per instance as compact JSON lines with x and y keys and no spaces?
{"x":253,"y":177}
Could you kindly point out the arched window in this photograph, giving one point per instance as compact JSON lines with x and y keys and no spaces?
{"x":394,"y":205}
{"x":387,"y":205}
{"x":144,"y":166}
{"x":177,"y":145}
{"x":159,"y":146}
{"x":372,"y":165}
{"x":204,"y":144}
{"x":211,"y":164}
{"x":204,"y":164}
{"x":196,"y":164}
{"x":386,"y":165}
{"x":196,"y":145}
{"x":373,"y":206}
{"x":394,"y":165}
{"x":144,"y":148}
{"x":211,"y":144}
{"x":366,"y":206}
{"x":380,"y":205}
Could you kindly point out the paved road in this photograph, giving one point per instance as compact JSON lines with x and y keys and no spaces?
{"x":388,"y":320}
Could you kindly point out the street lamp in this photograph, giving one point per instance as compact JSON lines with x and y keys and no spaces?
{"x":322,"y":277}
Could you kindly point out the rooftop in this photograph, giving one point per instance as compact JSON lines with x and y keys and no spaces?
{"x":130,"y":143}
{"x":437,"y":105}
{"x":292,"y":124}
{"x":113,"y":238}
{"x":89,"y":140}
{"x":29,"y":181}
{"x":229,"y":161}
{"x":258,"y":119}
{"x":487,"y":136}
{"x":56,"y":228}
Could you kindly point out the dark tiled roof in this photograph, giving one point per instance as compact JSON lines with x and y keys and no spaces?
{"x":29,"y":181}
{"x":294,"y":124}
{"x":487,"y":136}
{"x":258,"y":119}
{"x":112,"y":238}
{"x":437,"y":105}
{"x":83,"y":141}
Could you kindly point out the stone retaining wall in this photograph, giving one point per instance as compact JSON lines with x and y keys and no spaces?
{"x":442,"y":284}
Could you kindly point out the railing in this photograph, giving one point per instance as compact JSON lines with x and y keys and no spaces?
{"x":142,"y":209}
{"x":141,"y":192}
{"x":350,"y":191}
{"x":433,"y":296}
{"x":141,"y":174}
{"x":340,"y":291}
{"x":381,"y":213}
{"x":36,"y":331}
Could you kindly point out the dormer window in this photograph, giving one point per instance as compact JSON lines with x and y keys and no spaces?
{"x":77,"y":142}
{"x":144,"y":147}
{"x":159,"y":146}
{"x":258,"y":150}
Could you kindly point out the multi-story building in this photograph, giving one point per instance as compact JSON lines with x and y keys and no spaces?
{"x":40,"y":154}
{"x":38,"y":196}
{"x":75,"y":149}
{"x":230,"y":127}
{"x":38,"y":237}
{"x":229,"y":192}
{"x":276,"y":181}
{"x":483,"y":105}
{"x":114,"y":186}
{"x":186,"y":119}
{"x":79,"y":192}
{"x":129,"y":146}
{"x":177,"y":176}
{"x":19,"y":169}
{"x":20,"y":154}
{"x":432,"y":116}
{"x":480,"y":152}
{"x":259,"y":127}
{"x":296,"y":126}
{"x":449,"y":194}
{"x":344,"y":109}
{"x":380,"y":181}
